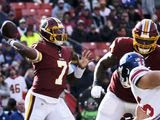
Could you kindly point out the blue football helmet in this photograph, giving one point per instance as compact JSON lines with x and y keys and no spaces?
{"x":127,"y":63}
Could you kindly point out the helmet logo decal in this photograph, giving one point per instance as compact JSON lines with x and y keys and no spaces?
{"x":146,"y":26}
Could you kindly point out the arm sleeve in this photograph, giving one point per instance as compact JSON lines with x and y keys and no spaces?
{"x":78,"y":72}
{"x":70,"y":69}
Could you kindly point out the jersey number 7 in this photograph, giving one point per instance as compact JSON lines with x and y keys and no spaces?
{"x":63,"y":65}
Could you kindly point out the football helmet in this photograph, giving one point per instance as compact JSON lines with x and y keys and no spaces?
{"x":145,"y":36}
{"x":127,"y":63}
{"x":52,"y":30}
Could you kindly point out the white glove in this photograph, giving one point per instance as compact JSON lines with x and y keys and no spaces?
{"x":96,"y":91}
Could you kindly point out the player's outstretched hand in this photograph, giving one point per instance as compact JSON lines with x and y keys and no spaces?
{"x":85,"y":58}
{"x":9,"y":30}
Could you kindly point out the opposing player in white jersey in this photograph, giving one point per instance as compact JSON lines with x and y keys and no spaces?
{"x":144,"y":83}
{"x":17,"y":85}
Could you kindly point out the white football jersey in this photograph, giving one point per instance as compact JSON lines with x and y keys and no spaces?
{"x":17,"y":86}
{"x":148,"y":99}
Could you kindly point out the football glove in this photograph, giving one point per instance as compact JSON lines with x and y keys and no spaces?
{"x":97,"y":91}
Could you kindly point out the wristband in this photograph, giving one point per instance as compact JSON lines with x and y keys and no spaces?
{"x":11,"y":42}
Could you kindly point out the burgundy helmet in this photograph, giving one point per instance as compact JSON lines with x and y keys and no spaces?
{"x":52,"y":30}
{"x":145,"y":36}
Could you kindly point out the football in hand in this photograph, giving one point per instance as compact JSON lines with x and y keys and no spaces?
{"x":9,"y":30}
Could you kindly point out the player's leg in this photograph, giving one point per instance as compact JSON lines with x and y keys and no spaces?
{"x":130,"y":108}
{"x":61,"y":112}
{"x":111,"y":108}
{"x":35,"y":108}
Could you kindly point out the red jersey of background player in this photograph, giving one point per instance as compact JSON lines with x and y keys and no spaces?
{"x":119,"y":48}
{"x":51,"y":72}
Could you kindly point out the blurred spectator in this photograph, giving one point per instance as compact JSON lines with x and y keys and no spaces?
{"x":8,"y":53}
{"x":79,"y":35}
{"x":128,"y":3}
{"x":60,"y":8}
{"x":30,"y":36}
{"x":148,"y":8}
{"x":104,"y":11}
{"x":134,"y":14}
{"x":11,"y":107}
{"x":16,"y":84}
{"x":114,"y":16}
{"x":121,"y":32}
{"x":29,"y":77}
{"x":80,"y":7}
{"x":90,"y":4}
{"x":3,"y":115}
{"x":98,"y":19}
{"x":3,"y":16}
{"x":18,"y":59}
{"x":93,"y":35}
{"x":108,"y":32}
{"x":19,"y":113}
{"x":126,"y":23}
{"x":6,"y":7}
{"x":22,"y":28}
{"x":126,"y":20}
{"x":85,"y":15}
{"x":12,"y":17}
{"x":23,"y":63}
{"x":67,"y":22}
{"x":4,"y":91}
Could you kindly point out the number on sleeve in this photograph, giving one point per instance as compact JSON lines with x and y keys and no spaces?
{"x":148,"y":109}
{"x":61,"y":64}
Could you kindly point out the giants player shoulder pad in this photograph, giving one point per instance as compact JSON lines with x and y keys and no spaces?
{"x":137,"y":73}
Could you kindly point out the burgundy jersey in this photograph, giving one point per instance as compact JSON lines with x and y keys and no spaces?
{"x":51,"y":71}
{"x":118,"y":48}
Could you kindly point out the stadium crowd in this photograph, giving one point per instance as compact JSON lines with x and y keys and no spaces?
{"x":85,"y":21}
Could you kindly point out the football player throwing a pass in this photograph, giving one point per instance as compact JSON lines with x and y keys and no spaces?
{"x":51,"y":62}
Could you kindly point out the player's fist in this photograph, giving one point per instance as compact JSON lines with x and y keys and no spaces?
{"x":9,"y":30}
{"x":97,"y":91}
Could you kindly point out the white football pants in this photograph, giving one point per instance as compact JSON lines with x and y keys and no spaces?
{"x":38,"y":109}
{"x":113,"y":108}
